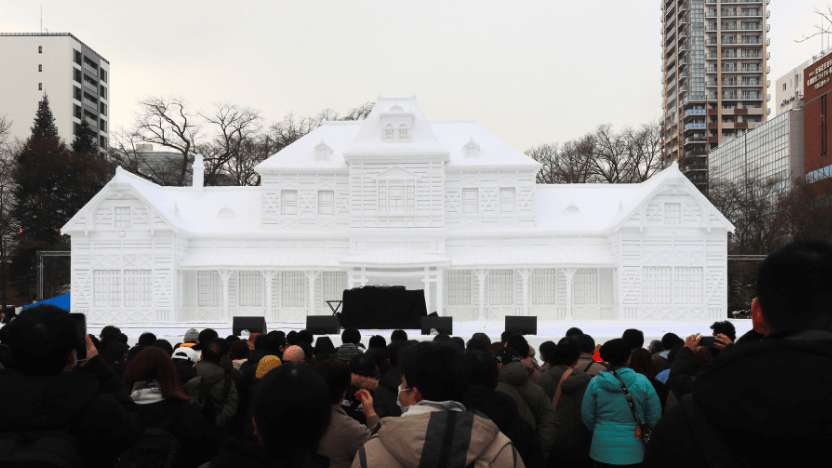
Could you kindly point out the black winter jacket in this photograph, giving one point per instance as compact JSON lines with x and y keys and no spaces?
{"x":768,"y":401}
{"x":189,"y":427}
{"x":572,"y":438}
{"x":90,"y":402}
{"x":235,"y":454}
{"x":502,"y":410}
{"x":386,"y":394}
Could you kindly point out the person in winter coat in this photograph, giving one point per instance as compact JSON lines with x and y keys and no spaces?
{"x":364,"y":377}
{"x":292,"y":411}
{"x":500,"y":408}
{"x":531,"y":401}
{"x":641,"y":361}
{"x":434,"y":380}
{"x":184,"y":360}
{"x":160,"y":403}
{"x":385,"y":398}
{"x":115,"y":356}
{"x":764,"y":403}
{"x":605,"y":410}
{"x":586,"y":361}
{"x":572,"y":438}
{"x":48,"y":389}
{"x":345,"y":434}
{"x":214,"y":388}
{"x":518,"y":342}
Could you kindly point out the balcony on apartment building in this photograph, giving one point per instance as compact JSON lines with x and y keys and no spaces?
{"x":90,"y":68}
{"x":92,"y":87}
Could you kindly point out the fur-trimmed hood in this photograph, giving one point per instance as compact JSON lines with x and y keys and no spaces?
{"x":363,"y":382}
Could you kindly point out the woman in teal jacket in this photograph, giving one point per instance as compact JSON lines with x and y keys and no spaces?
{"x":606,"y":413}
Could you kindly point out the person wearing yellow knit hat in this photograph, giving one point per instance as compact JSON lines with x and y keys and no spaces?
{"x":266,"y":364}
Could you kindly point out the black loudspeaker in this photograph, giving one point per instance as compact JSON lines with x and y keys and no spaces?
{"x":322,"y":324}
{"x":521,"y":324}
{"x":441,"y":324}
{"x":252,"y":324}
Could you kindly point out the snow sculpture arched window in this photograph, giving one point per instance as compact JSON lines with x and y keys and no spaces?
{"x":471,"y":149}
{"x":396,"y":125}
{"x":322,"y":151}
{"x":388,"y":132}
{"x":404,"y":133}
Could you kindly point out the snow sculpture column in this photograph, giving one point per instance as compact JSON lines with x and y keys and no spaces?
{"x":569,"y":272}
{"x":440,"y":297}
{"x":224,"y":276}
{"x":524,"y":273}
{"x":268,"y":276}
{"x":481,"y":275}
{"x":311,"y":276}
{"x":427,"y":289}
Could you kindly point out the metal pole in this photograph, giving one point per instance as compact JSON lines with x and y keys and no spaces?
{"x":40,"y":276}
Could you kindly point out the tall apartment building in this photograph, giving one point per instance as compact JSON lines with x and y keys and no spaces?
{"x":789,"y":90}
{"x":714,"y":65}
{"x":75,"y":77}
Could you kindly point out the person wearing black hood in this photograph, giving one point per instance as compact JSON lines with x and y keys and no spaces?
{"x":565,"y":386}
{"x":385,"y":398}
{"x":323,"y":349}
{"x":48,"y":389}
{"x":500,"y":408}
{"x":764,"y":403}
{"x":115,"y":356}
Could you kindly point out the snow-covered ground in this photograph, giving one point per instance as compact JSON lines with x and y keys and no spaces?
{"x":601,"y":330}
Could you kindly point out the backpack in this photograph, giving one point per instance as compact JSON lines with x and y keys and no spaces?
{"x":206,"y":403}
{"x":39,"y":449}
{"x":157,"y":448}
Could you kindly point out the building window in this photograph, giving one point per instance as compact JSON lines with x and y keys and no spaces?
{"x":103,"y":92}
{"x":76,"y":93}
{"x":544,"y":287}
{"x":40,"y":49}
{"x":585,"y":286}
{"x":823,"y":125}
{"x":333,"y":283}
{"x":76,"y":111}
{"x":657,"y":285}
{"x":103,"y":74}
{"x":293,"y":289}
{"x":403,"y":133}
{"x":77,"y":56}
{"x":326,"y":202}
{"x":501,"y":287}
{"x":122,"y":218}
{"x":250,"y":285}
{"x":507,"y":203}
{"x":107,"y":288}
{"x":208,"y":289}
{"x":76,"y":74}
{"x":388,"y":133}
{"x":470,"y":200}
{"x":40,"y":86}
{"x":459,"y":287}
{"x":40,"y":67}
{"x":672,"y":213}
{"x":396,"y":198}
{"x":289,"y":202}
{"x":102,"y":125}
{"x":101,"y":108}
{"x":138,"y":291}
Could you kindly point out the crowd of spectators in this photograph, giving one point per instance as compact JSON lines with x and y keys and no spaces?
{"x":294,"y":400}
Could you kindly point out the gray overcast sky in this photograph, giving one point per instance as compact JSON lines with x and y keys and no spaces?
{"x":531,"y":71}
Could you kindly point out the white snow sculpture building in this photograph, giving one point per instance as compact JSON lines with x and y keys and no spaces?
{"x":444,"y":206}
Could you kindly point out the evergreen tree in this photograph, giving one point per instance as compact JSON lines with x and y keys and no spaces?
{"x":40,"y":178}
{"x":85,"y":141}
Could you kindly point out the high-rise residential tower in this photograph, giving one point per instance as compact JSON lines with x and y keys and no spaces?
{"x":714,"y":66}
{"x":75,"y":77}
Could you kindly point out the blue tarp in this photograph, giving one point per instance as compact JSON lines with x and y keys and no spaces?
{"x":61,"y":301}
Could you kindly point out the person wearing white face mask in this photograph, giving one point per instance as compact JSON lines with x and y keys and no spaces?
{"x":435,"y":429}
{"x":386,"y":395}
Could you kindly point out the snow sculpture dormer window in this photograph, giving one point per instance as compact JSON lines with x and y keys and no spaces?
{"x":397,"y":125}
{"x":471,"y":149}
{"x":322,"y":151}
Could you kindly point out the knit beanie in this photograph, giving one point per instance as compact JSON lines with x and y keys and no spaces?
{"x":191,"y":336}
{"x":266,"y":364}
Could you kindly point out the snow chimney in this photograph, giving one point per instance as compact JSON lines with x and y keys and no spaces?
{"x":199,"y":172}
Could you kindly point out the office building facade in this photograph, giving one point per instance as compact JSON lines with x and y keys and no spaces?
{"x":715,"y":68}
{"x":75,"y":77}
{"x":789,"y":89}
{"x":771,"y":152}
